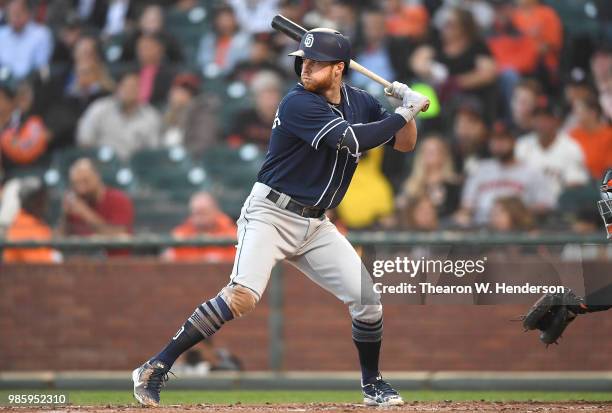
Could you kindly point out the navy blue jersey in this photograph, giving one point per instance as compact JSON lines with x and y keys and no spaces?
{"x":303,"y":159}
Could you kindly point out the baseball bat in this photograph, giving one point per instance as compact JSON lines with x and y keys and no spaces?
{"x":295,"y":31}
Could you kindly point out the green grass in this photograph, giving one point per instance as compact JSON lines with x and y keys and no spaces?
{"x":79,"y":397}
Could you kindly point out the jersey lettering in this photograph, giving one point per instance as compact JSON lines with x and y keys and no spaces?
{"x":277,"y":120}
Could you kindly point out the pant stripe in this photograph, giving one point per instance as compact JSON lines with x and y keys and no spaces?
{"x":246,"y":212}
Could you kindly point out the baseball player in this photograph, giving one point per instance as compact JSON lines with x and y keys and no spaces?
{"x":321,"y":128}
{"x":552,"y":313}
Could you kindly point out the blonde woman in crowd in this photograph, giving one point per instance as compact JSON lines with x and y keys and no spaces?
{"x":433,"y":174}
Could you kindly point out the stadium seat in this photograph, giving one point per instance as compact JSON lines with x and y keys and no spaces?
{"x":23,"y":171}
{"x":233,"y":172}
{"x":230,"y":199}
{"x":235,"y":100}
{"x":162,"y":169}
{"x":156,"y":213}
{"x":54,"y":211}
{"x":175,"y":157}
{"x":113,"y":48}
{"x":105,"y":158}
{"x":122,"y":178}
{"x":573,"y":199}
{"x":223,"y":160}
{"x":182,"y":186}
{"x":578,"y":16}
{"x":188,"y":28}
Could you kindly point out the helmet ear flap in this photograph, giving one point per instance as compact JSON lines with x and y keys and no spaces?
{"x":297,"y":65}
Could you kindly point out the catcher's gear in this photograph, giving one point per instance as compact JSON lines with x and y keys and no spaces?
{"x":552,"y":313}
{"x":605,"y":204}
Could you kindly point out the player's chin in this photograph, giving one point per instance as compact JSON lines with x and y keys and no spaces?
{"x":310,"y":85}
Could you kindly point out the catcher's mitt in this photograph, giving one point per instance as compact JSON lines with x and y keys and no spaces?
{"x":552,"y":313}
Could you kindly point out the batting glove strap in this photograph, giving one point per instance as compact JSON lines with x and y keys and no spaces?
{"x":412,"y":104}
{"x":408,"y":113}
{"x":397,"y":90}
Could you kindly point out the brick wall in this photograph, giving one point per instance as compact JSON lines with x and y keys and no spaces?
{"x":112,"y":315}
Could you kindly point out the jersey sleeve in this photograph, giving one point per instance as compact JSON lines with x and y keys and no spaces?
{"x":310,"y":119}
{"x":378,"y":112}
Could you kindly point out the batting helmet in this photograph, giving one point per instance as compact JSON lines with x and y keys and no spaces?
{"x":323,"y":45}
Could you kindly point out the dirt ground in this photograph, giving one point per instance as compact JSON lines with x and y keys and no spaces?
{"x":415,"y":407}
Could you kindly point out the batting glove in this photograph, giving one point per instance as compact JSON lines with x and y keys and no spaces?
{"x":397,"y":90}
{"x":412,"y":103}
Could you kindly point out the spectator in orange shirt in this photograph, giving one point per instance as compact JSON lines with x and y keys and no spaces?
{"x":23,"y":137}
{"x":515,"y":53}
{"x":406,"y":20}
{"x":29,"y":225}
{"x":542,"y":23}
{"x":205,"y":219}
{"x":511,"y":48}
{"x":593,"y":134}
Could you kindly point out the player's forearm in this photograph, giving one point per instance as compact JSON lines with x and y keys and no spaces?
{"x":406,"y":137}
{"x":361,"y":137}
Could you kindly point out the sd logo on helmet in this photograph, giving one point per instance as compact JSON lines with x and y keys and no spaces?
{"x":308,"y":40}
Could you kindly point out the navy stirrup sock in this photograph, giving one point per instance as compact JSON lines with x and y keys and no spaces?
{"x":185,"y":338}
{"x":368,"y":339}
{"x":205,"y":321}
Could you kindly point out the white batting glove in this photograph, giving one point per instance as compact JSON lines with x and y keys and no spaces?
{"x":397,"y":90}
{"x":412,"y":103}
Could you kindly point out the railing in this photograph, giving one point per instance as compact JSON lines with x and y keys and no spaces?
{"x":369,"y":238}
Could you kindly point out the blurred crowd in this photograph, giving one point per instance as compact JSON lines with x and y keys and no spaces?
{"x":120,"y":112}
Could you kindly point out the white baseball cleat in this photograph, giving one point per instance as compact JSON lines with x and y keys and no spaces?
{"x":148,"y":380}
{"x":380,"y":393}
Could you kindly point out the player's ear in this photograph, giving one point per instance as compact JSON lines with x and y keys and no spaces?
{"x":339,"y":68}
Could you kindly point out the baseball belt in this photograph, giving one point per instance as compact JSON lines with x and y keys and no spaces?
{"x":297,"y":208}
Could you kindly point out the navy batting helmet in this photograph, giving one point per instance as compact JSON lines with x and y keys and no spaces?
{"x":323,"y":45}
